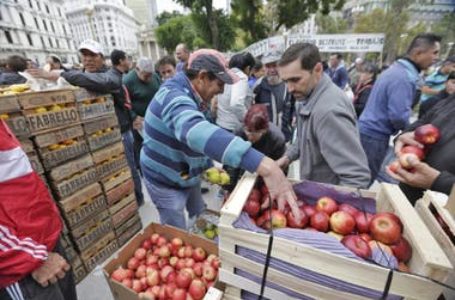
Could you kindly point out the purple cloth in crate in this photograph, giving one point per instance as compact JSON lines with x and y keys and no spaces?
{"x":317,"y":240}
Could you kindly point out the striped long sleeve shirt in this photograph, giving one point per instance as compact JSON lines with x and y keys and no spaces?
{"x":179,"y":142}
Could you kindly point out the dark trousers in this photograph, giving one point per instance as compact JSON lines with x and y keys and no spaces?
{"x":28,"y":289}
{"x":376,"y":150}
{"x":138,"y":140}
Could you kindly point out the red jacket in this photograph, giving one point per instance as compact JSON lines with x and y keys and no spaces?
{"x":30,"y":223}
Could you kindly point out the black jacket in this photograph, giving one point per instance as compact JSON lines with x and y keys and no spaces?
{"x":429,"y":103}
{"x":8,"y":78}
{"x":441,"y":155}
{"x":105,"y":81}
{"x":361,"y":94}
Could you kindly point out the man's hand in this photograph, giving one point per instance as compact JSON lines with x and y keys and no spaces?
{"x":138,"y":123}
{"x":421,"y":175}
{"x":280,"y":188}
{"x":283,"y":162}
{"x":54,"y":268}
{"x":40,"y":73}
{"x":406,"y":139}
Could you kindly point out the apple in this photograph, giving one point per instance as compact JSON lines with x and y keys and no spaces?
{"x":147,"y":244}
{"x":163,"y":262}
{"x":140,"y":253}
{"x":137,"y":285}
{"x":394,"y":166}
{"x":127,"y":282}
{"x":309,"y":210}
{"x":278,"y":219}
{"x":385,"y":229}
{"x":327,"y":205}
{"x":427,"y":134}
{"x":188,"y":251}
{"x":153,"y":278}
{"x":148,"y":295}
{"x":143,"y":281}
{"x":181,"y":252}
{"x":342,"y":222}
{"x":199,"y":254}
{"x":402,"y":250}
{"x":335,"y":235}
{"x":179,"y":294}
{"x":129,"y":274}
{"x":151,"y":259}
{"x":154,"y":238}
{"x":190,"y":272}
{"x":162,"y":294}
{"x":208,"y":272}
{"x":291,"y":221}
{"x":252,"y":208}
{"x":395,"y":218}
{"x":413,"y":149}
{"x":357,"y":245}
{"x":189,"y":262}
{"x":165,"y":272}
{"x":156,"y":290}
{"x":216,"y":263}
{"x":161,"y":241}
{"x":255,"y":195}
{"x":181,"y":264}
{"x":197,"y":289}
{"x":405,"y":159}
{"x":320,"y":221}
{"x":170,"y":289}
{"x":173,"y":261}
{"x":141,"y":271}
{"x":366,"y":237}
{"x":164,"y":251}
{"x":183,"y":280}
{"x":176,"y":243}
{"x":348,"y":208}
{"x":119,"y":274}
{"x":133,"y":263}
{"x":403,"y":267}
{"x":197,"y":268}
{"x":363,"y":220}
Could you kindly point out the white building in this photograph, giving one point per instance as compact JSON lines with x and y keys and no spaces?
{"x":35,"y":29}
{"x":306,"y":28}
{"x":145,"y":11}
{"x":109,"y":22}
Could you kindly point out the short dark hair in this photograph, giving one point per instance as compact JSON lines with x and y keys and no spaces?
{"x":338,"y":55}
{"x":192,"y":74}
{"x":167,"y":60}
{"x":117,"y":56}
{"x":423,"y":40}
{"x":16,"y":63}
{"x":307,"y":53}
{"x":257,"y":65}
{"x":242,"y":61}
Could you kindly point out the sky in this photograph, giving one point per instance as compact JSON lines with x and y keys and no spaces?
{"x":169,"y":5}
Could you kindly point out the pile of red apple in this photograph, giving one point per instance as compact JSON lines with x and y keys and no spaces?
{"x":357,"y":230}
{"x":160,"y":269}
{"x":427,"y":135}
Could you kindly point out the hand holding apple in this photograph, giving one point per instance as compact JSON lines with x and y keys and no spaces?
{"x":422,"y":175}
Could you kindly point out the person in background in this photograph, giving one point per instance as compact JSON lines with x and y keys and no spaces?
{"x":263,"y":135}
{"x":367,"y":77}
{"x":32,"y":260}
{"x":271,"y":91}
{"x":336,"y":71}
{"x":354,"y":71}
{"x":141,"y":84}
{"x":179,"y":143}
{"x":232,"y":104}
{"x":54,"y":63}
{"x":435,"y":82}
{"x":389,"y":106}
{"x":14,"y":64}
{"x":448,"y":90}
{"x":183,"y":54}
{"x":166,"y":67}
{"x":256,"y":73}
{"x":327,"y":144}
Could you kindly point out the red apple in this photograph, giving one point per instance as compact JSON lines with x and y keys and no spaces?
{"x":164,"y":251}
{"x":154,"y":238}
{"x":216,"y":263}
{"x":140,"y":253}
{"x":127,"y":282}
{"x":342,"y":222}
{"x":181,"y":264}
{"x":176,"y":243}
{"x":137,"y":286}
{"x":394,"y":217}
{"x":413,"y":149}
{"x":170,"y":289}
{"x":183,"y":280}
{"x":181,"y":252}
{"x":335,"y":235}
{"x":173,"y":261}
{"x":143,"y":281}
{"x":357,"y":245}
{"x":179,"y":294}
{"x":153,"y":278}
{"x":188,"y":251}
{"x":156,"y":290}
{"x":189,"y":262}
{"x":366,"y":237}
{"x":119,"y":274}
{"x":320,"y":221}
{"x":255,"y":195}
{"x":199,"y":254}
{"x":309,"y":210}
{"x":190,"y":272}
{"x":348,"y":208}
{"x":163,"y":262}
{"x":129,"y":274}
{"x":161,"y":241}
{"x":394,"y":166}
{"x":292,"y":222}
{"x":327,"y":205}
{"x":208,"y":272}
{"x":171,"y":278}
{"x":252,"y":208}
{"x":197,"y":289}
{"x":133,"y":263}
{"x":363,"y":220}
{"x":151,"y":259}
{"x":141,"y":271}
{"x":165,"y":272}
{"x":147,"y":244}
{"x":402,"y":250}
{"x":405,"y":159}
{"x":385,"y":229}
{"x":197,"y":268}
{"x":427,"y":134}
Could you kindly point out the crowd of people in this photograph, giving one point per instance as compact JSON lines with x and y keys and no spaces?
{"x":248,"y":113}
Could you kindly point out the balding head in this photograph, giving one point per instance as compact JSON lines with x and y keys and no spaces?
{"x":182,"y":53}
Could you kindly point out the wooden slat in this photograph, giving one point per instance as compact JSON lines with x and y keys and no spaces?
{"x":70,"y":186}
{"x":109,"y":169}
{"x":108,"y":152}
{"x":53,"y":158}
{"x":119,"y":191}
{"x":450,"y":206}
{"x":104,"y":140}
{"x":65,"y":171}
{"x":102,"y":123}
{"x":95,"y":110}
{"x":45,"y":98}
{"x":18,"y":125}
{"x":9,"y":104}
{"x":121,"y":176}
{"x":57,"y":136}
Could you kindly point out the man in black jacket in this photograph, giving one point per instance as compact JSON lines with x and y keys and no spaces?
{"x":437,"y":171}
{"x":14,"y":64}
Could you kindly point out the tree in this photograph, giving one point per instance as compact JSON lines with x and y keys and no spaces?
{"x":327,"y":24}
{"x":445,"y":28}
{"x":226,"y":31}
{"x":248,"y":15}
{"x":165,"y":16}
{"x":174,"y":31}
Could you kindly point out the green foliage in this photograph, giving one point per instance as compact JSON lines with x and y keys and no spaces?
{"x":446,"y":28}
{"x":329,"y":25}
{"x":226,"y":36}
{"x":176,"y":30}
{"x":249,"y":16}
{"x":165,"y":16}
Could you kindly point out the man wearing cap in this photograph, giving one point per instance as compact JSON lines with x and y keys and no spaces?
{"x":141,"y":83}
{"x":272,"y":92}
{"x":179,"y":142}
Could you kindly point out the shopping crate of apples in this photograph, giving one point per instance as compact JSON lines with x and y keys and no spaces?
{"x":350,"y":244}
{"x":163,"y":262}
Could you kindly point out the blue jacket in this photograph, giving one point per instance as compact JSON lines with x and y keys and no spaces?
{"x":179,"y":142}
{"x":339,"y":76}
{"x":389,"y":106}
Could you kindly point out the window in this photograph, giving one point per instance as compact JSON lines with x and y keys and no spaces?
{"x":30,"y":41}
{"x":47,"y":8}
{"x":42,"y":42}
{"x":64,"y":29}
{"x":38,"y":4}
{"x":30,"y":3}
{"x":1,"y":17}
{"x":22,"y":19}
{"x":45,"y":25}
{"x":59,"y":12}
{"x":9,"y":38}
{"x":36,"y":23}
{"x":53,"y":28}
{"x":50,"y":43}
{"x":58,"y":44}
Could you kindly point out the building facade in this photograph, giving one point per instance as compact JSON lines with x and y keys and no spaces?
{"x":35,"y":29}
{"x":145,"y":11}
{"x":109,"y":22}
{"x":148,"y":46}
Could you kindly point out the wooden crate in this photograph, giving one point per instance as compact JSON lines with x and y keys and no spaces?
{"x":430,"y":210}
{"x":98,"y":107}
{"x":35,"y":162}
{"x":124,"y":237}
{"x":75,"y":183}
{"x":428,"y":258}
{"x":110,"y":169}
{"x":91,"y":230}
{"x":109,"y":183}
{"x":127,"y":224}
{"x":120,"y":191}
{"x":18,"y":124}
{"x":78,"y":269}
{"x":71,"y":168}
{"x":99,"y":252}
{"x":82,"y":94}
{"x":59,"y":146}
{"x":101,"y":139}
{"x":107,"y":153}
{"x":100,"y":124}
{"x":9,"y":103}
{"x":123,"y":210}
{"x":52,"y":119}
{"x":82,"y":205}
{"x":46,"y":98}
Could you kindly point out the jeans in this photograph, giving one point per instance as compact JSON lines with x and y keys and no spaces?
{"x":376,"y":150}
{"x":171,"y":202}
{"x":128,"y":144}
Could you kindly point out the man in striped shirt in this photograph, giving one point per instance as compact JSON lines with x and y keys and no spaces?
{"x":179,"y":142}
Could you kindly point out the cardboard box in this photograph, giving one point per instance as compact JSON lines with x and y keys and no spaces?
{"x":121,"y":292}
